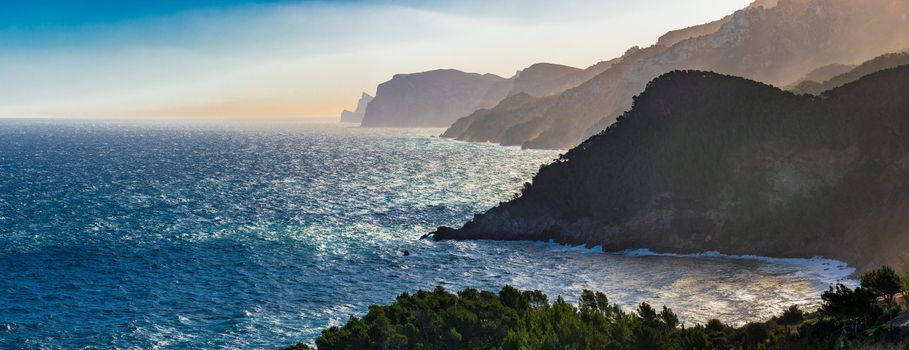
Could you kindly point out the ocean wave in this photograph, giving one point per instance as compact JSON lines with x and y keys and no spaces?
{"x":824,"y":268}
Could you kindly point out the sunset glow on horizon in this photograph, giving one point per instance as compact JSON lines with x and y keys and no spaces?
{"x":296,"y":59}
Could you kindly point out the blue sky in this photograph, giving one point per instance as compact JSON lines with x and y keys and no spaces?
{"x":40,"y":23}
{"x":31,"y":13}
{"x":291,"y":57}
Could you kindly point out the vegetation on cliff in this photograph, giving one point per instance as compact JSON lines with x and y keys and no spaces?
{"x":514,"y":319}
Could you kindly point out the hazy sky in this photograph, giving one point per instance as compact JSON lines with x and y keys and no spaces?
{"x":294,"y":58}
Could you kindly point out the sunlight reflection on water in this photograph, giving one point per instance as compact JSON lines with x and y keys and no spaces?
{"x":153,"y":234}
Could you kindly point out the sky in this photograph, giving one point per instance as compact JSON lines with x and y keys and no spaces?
{"x":294,"y":58}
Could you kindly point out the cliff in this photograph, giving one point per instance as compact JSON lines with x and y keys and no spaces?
{"x":708,"y":162}
{"x":357,"y":115}
{"x":771,"y":44}
{"x":433,"y":99}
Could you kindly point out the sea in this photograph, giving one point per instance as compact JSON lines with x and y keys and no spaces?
{"x":165,"y":234}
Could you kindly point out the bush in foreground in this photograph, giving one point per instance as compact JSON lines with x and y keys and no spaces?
{"x":514,"y":319}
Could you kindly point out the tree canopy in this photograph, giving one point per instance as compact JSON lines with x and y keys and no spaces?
{"x":515,"y":319}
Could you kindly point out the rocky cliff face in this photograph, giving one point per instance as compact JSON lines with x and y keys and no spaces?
{"x":433,"y":99}
{"x":771,"y":44}
{"x":707,"y":162}
{"x":777,"y":44}
{"x":676,"y":36}
{"x":357,"y":115}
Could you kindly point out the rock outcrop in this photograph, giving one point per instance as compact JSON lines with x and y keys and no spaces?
{"x":709,"y":162}
{"x":433,"y":99}
{"x":357,"y":115}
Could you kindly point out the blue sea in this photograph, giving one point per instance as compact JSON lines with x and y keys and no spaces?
{"x":173,"y":235}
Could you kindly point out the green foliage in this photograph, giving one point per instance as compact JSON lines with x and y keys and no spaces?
{"x":883,"y":282}
{"x":515,"y":319}
{"x":845,"y":303}
{"x":792,"y":316}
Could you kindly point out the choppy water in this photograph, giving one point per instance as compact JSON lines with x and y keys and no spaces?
{"x":188,"y":235}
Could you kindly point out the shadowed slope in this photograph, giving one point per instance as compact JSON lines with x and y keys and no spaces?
{"x":709,"y":162}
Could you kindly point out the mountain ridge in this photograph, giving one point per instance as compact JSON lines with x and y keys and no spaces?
{"x":771,"y":44}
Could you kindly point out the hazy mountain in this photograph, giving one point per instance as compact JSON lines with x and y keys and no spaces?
{"x":817,"y":86}
{"x":533,"y":93}
{"x":520,"y":127}
{"x":496,"y":124}
{"x":828,"y":71}
{"x":549,"y":79}
{"x":438,"y":98}
{"x":675,"y":36}
{"x":771,"y":44}
{"x":821,"y":74}
{"x":707,"y":162}
{"x":567,"y":122}
{"x":433,"y":99}
{"x":357,"y":115}
{"x":545,"y":79}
